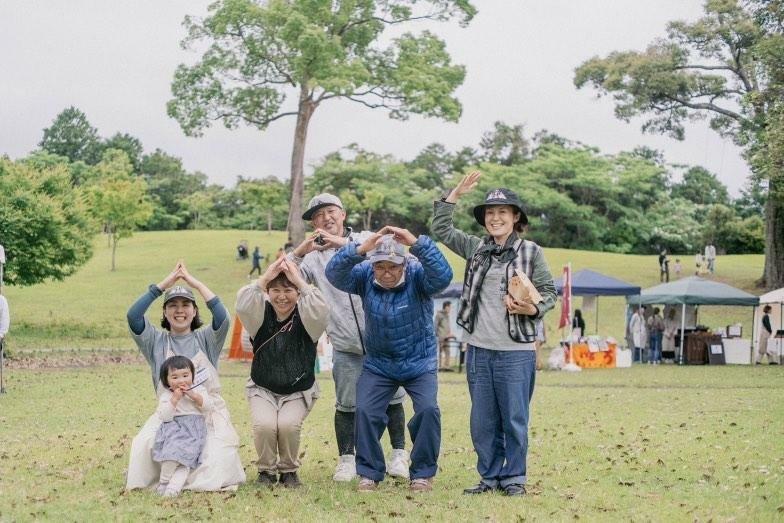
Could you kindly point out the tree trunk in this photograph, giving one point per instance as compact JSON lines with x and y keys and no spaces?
{"x":368,"y":218}
{"x":269,"y":221}
{"x":295,"y":225}
{"x":774,"y":236}
{"x":115,"y":241}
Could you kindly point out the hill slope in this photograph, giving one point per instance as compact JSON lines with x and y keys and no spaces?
{"x":88,"y":309}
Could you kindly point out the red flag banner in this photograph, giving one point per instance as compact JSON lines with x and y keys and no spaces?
{"x":566,"y":297}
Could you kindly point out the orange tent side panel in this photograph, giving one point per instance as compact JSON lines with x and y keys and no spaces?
{"x":240,"y":348}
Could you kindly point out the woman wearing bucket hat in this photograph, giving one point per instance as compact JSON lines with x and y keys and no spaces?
{"x":184,"y":335}
{"x":500,"y":330}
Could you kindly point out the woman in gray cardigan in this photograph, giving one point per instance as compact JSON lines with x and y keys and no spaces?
{"x":500,"y":331}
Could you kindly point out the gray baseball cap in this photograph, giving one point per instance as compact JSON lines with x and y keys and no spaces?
{"x":319,"y":201}
{"x":388,"y":250}
{"x":178,"y":291}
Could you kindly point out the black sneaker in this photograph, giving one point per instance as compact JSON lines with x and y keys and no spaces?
{"x":267,"y":479}
{"x":479,"y":488}
{"x":290,"y":480}
{"x":514,"y":489}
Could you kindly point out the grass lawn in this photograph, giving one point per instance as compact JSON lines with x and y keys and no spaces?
{"x":88,"y":309}
{"x":645,"y":444}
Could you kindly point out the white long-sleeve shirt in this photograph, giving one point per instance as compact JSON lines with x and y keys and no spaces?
{"x":5,"y":316}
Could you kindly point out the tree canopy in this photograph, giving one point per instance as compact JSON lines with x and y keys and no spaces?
{"x":728,"y":68}
{"x":259,"y":53}
{"x":44,"y":223}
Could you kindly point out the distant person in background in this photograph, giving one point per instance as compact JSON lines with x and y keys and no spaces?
{"x":639,"y":332}
{"x":664,"y":267}
{"x":655,"y":332}
{"x":5,"y":320}
{"x":578,"y":324}
{"x":256,"y":262}
{"x":710,"y":257}
{"x":702,"y":265}
{"x":678,"y":268}
{"x":443,"y":332}
{"x":671,"y":327}
{"x":765,"y":333}
{"x":242,"y":252}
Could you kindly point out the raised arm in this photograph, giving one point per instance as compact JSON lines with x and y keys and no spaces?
{"x":345,"y":270}
{"x":436,"y":272}
{"x":442,"y":226}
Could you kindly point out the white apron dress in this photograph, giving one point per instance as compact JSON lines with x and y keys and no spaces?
{"x":221,"y":468}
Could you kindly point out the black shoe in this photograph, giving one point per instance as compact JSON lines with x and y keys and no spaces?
{"x":290,"y":480}
{"x":479,"y":488}
{"x":267,"y":479}
{"x":514,"y":490}
{"x":773,"y":363}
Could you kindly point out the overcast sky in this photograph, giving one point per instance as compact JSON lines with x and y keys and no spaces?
{"x":114,"y":60}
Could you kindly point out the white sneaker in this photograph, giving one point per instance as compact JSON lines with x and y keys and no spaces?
{"x":398,"y":464}
{"x":346,"y":470}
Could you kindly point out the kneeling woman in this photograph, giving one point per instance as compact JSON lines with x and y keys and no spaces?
{"x":220,"y":467}
{"x":285,"y":326}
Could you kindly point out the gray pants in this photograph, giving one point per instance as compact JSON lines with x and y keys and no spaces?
{"x":346,"y":368}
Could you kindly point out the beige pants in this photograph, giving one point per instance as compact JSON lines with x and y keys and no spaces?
{"x":763,"y":348}
{"x":276,"y":429}
{"x":443,"y":353}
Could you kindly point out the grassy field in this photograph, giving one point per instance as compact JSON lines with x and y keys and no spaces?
{"x":88,"y":309}
{"x":643,"y":444}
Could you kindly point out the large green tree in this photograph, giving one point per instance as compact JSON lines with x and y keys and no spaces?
{"x":71,"y":135}
{"x":169,"y":186}
{"x":727,"y":67}
{"x":258,"y":53}
{"x":701,"y":186}
{"x":45,"y":226}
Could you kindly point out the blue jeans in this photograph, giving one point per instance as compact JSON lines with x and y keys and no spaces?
{"x":501,"y":384}
{"x":373,"y":395}
{"x":656,"y":346}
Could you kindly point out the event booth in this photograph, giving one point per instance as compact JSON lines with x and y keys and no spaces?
{"x":594,"y":352}
{"x":730,"y":346}
{"x":776,"y":301}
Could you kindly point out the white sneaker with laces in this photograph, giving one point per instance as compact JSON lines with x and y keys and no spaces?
{"x":346,"y":469}
{"x":398,"y":464}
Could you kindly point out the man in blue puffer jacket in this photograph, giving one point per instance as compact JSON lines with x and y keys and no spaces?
{"x":401,"y":346}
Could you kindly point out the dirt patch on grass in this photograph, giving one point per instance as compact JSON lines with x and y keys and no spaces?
{"x":70,"y":359}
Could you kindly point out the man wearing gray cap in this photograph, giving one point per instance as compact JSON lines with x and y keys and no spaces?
{"x":345,"y":328}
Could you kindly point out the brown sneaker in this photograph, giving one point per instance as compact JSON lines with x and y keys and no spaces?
{"x":366,"y":485}
{"x":421,"y":485}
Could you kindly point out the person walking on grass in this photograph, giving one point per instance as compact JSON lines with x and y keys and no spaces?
{"x":345,"y":330}
{"x":664,"y":267}
{"x":282,"y":387}
{"x":397,"y":293}
{"x":501,"y":331}
{"x":184,"y":335}
{"x":256,"y":260}
{"x":765,"y":333}
{"x":444,"y":332}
